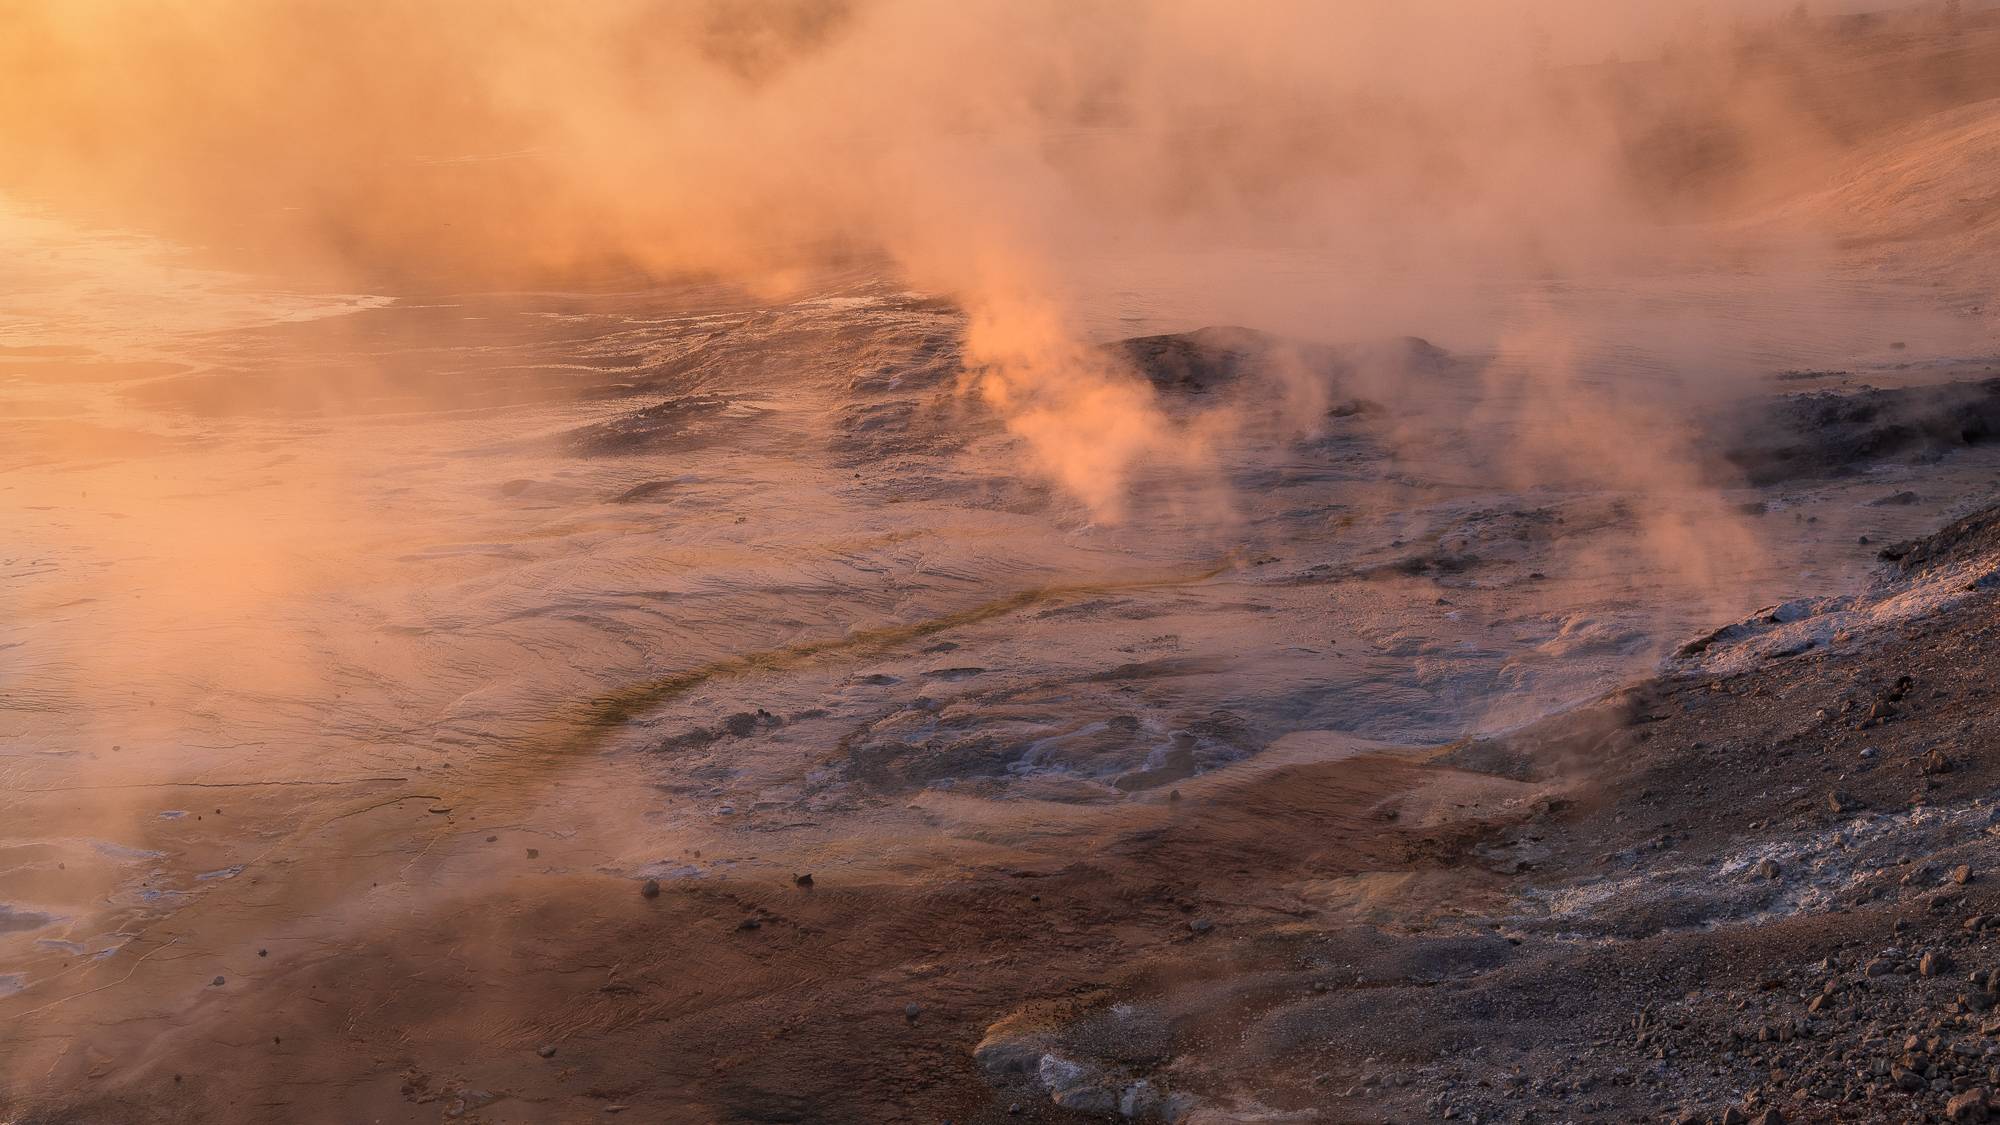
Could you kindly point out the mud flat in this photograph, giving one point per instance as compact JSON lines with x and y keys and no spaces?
{"x":1760,"y":883}
{"x":698,"y":758}
{"x":1757,"y":885}
{"x":706,"y":720}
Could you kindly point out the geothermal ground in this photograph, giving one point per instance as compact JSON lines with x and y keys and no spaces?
{"x":706,"y":727}
{"x":675,"y":704}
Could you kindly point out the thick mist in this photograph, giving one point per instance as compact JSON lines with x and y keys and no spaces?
{"x":468,"y":459}
{"x":984,"y":149}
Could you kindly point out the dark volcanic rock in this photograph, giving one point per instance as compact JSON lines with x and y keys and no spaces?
{"x":1194,"y":362}
{"x":1965,"y":540}
{"x":869,"y":433}
{"x":680,"y":423}
{"x":1830,"y":433}
{"x":646,"y":491}
{"x":1972,"y":1105}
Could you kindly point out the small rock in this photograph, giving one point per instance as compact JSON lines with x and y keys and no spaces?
{"x":1767,"y":869}
{"x":1004,"y":1053}
{"x":218,"y":982}
{"x":1934,"y":964}
{"x":805,"y":880}
{"x":650,"y":888}
{"x":548,"y":1051}
{"x":1734,"y":1116}
{"x":534,"y":853}
{"x":263,"y":953}
{"x":1841,"y":801}
{"x":1972,"y":1105}
{"x":1140,"y":1101}
{"x":1201,"y":925}
{"x":912,"y":1010}
{"x":1962,"y":874}
{"x":750,"y":924}
{"x":1058,"y":1073}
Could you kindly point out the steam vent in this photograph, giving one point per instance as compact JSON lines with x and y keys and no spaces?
{"x":894,"y":562}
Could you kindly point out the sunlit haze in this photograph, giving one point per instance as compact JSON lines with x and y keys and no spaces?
{"x":905,"y":560}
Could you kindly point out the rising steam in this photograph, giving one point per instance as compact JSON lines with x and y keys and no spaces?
{"x":980,"y":147}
